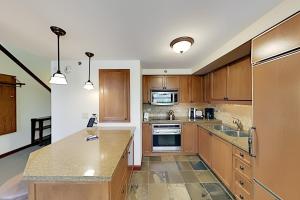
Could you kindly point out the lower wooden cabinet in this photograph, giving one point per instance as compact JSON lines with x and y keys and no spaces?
{"x":204,"y":145}
{"x":222,"y":160}
{"x":147,"y":139}
{"x":189,"y":138}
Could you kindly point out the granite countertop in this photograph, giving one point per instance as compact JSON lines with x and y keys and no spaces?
{"x":240,"y":142}
{"x":75,"y":159}
{"x":181,"y":120}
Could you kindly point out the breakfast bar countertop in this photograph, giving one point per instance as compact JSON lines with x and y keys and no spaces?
{"x":75,"y":159}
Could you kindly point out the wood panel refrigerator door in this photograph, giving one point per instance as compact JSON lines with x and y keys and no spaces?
{"x":276,"y":92}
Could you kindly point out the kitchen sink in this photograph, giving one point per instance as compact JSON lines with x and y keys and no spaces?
{"x":234,"y":133}
{"x":230,"y":131}
{"x":222,"y":127}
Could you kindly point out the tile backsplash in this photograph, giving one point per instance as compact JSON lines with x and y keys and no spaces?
{"x":224,"y":112}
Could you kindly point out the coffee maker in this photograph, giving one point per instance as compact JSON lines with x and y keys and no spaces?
{"x":209,"y":113}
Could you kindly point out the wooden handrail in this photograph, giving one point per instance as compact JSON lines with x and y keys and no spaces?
{"x":13,"y":58}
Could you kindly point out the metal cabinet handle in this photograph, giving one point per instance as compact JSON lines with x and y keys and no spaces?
{"x":241,"y":167}
{"x":241,"y":183}
{"x":241,"y":197}
{"x":242,"y":155}
{"x":252,"y":141}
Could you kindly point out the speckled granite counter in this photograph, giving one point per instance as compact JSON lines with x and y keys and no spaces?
{"x":75,"y":159}
{"x":240,"y":142}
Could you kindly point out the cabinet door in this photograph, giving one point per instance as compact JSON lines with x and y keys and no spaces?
{"x":147,"y":139}
{"x":218,"y":84}
{"x":196,"y":89}
{"x":146,"y":91}
{"x":184,"y":89}
{"x":204,"y":145}
{"x":206,"y":87}
{"x":155,"y":82}
{"x":189,"y":138}
{"x":222,"y":160}
{"x":171,"y":82}
{"x":114,"y":95}
{"x":261,"y":193}
{"x":239,"y":80}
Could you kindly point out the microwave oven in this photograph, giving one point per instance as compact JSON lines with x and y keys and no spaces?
{"x":164,"y":97}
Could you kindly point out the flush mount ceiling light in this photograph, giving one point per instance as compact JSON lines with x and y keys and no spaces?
{"x":89,"y":85}
{"x":182,"y":44}
{"x":58,"y":77}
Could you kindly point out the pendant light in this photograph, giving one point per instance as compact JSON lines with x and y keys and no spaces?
{"x":182,"y":44}
{"x":89,"y":85}
{"x":58,"y":77}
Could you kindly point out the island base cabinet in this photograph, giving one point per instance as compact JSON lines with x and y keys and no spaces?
{"x":68,"y":191}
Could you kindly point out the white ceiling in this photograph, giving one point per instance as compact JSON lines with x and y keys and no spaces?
{"x":127,"y":29}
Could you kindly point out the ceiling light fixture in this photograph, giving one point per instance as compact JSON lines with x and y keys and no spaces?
{"x":89,"y":85}
{"x":182,"y":44}
{"x":58,"y":77}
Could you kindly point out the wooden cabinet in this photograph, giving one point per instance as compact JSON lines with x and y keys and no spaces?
{"x":262,"y":194}
{"x":219,"y":84}
{"x":206,"y":88}
{"x":156,"y":82}
{"x":222,"y":160}
{"x":233,"y":82}
{"x":146,"y":91}
{"x":204,"y":145}
{"x":283,"y":38}
{"x":239,"y":80}
{"x":196,"y":89}
{"x":185,"y":89}
{"x":7,"y":105}
{"x":171,"y":82}
{"x":114,"y":95}
{"x":189,"y":138}
{"x":147,"y":139}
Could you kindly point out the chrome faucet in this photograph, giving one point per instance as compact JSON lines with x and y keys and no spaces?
{"x":238,"y":123}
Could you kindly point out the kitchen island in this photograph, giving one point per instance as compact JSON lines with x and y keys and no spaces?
{"x":76,"y":169}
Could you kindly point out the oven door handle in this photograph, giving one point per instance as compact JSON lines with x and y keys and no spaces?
{"x":166,"y":133}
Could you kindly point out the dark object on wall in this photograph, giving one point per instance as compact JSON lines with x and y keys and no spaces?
{"x":8,"y":114}
{"x":13,"y":58}
{"x":41,"y":127}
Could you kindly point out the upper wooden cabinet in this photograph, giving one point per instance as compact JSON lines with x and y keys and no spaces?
{"x":282,"y":38}
{"x":114,"y":95}
{"x":190,"y":138}
{"x":185,"y":89}
{"x":156,"y":82}
{"x":233,"y":82}
{"x":190,"y":87}
{"x":206,"y":88}
{"x":219,"y":84}
{"x":196,"y":89}
{"x":239,"y":80}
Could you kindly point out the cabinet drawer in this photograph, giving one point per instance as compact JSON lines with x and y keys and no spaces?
{"x":240,"y":181}
{"x":243,"y":168}
{"x":240,"y":194}
{"x":243,"y":155}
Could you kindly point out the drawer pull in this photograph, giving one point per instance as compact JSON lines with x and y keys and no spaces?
{"x":123,"y":191}
{"x":241,"y":183}
{"x":241,"y":197}
{"x":241,"y":167}
{"x":242,"y":155}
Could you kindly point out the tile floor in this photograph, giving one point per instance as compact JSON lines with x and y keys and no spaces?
{"x":175,"y":178}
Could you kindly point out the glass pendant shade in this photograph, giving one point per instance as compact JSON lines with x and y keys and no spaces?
{"x":58,"y":78}
{"x":88,"y":85}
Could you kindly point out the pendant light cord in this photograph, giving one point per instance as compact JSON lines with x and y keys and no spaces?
{"x":58,"y":54}
{"x":89,"y":68}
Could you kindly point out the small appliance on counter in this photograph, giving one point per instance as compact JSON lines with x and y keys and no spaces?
{"x":209,"y":113}
{"x":146,"y":116}
{"x":171,"y":115}
{"x":195,"y":113}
